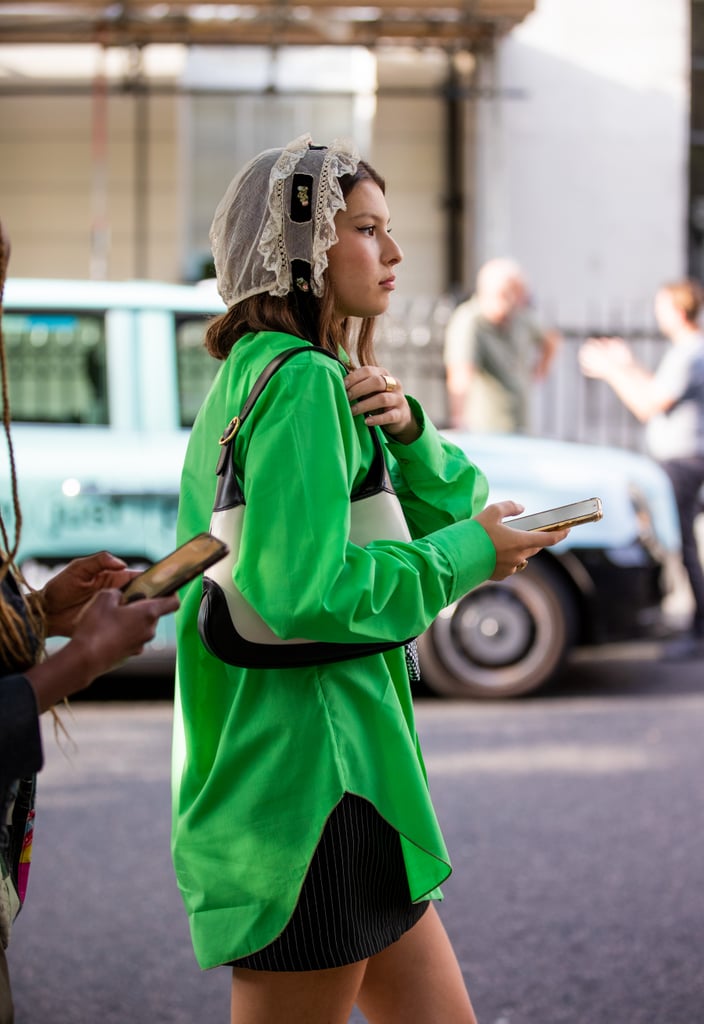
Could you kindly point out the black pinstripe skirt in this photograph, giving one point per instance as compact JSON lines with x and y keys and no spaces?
{"x":354,"y":901}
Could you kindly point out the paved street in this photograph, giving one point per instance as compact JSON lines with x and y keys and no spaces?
{"x":574,"y":820}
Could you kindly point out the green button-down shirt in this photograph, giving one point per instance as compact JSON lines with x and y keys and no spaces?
{"x":262,"y":756}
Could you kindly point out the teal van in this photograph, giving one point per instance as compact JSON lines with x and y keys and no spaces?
{"x":105,"y":381}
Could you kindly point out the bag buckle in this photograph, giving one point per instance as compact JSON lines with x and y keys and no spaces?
{"x":230,"y":431}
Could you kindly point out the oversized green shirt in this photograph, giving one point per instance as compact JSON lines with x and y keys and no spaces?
{"x":261,"y":757}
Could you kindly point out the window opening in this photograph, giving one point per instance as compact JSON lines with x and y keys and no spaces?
{"x":56,"y":367}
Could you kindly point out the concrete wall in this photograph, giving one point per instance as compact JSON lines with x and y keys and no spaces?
{"x":584,"y":178}
{"x":52,"y":201}
{"x":408,"y":149}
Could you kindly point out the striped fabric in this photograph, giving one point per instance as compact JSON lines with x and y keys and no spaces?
{"x":354,"y":901}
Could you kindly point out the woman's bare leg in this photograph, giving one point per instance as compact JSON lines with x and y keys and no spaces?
{"x":293,"y":997}
{"x":417,"y":980}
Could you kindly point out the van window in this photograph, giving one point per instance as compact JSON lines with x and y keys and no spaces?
{"x":194,"y":367}
{"x":56,"y":367}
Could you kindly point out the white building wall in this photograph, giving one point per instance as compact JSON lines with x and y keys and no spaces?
{"x":583,"y":178}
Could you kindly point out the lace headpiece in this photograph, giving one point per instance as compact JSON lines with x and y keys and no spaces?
{"x":274,"y":225}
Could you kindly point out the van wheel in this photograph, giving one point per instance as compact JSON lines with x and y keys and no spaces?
{"x":502,"y":639}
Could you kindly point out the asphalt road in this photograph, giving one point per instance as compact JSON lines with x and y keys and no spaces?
{"x":574,"y":821}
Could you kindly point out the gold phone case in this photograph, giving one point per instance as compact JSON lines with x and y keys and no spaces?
{"x":565,"y":524}
{"x":588,"y":511}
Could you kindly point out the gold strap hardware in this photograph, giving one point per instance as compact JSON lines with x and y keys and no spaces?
{"x":232,"y":429}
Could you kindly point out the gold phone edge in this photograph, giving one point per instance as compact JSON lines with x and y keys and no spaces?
{"x":566,"y":524}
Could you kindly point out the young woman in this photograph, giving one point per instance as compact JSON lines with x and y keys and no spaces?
{"x":305,"y":842}
{"x":82,"y":603}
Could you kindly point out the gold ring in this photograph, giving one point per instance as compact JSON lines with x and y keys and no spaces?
{"x":522,"y":565}
{"x":391,"y":382}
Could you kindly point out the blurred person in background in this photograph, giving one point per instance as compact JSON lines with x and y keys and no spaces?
{"x":495,"y":350}
{"x":670,"y":401}
{"x":82,"y":602}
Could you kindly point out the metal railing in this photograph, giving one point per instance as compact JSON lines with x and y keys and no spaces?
{"x":566,"y":405}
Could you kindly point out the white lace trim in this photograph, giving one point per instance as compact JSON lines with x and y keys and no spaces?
{"x":340,"y":158}
{"x":272,"y":244}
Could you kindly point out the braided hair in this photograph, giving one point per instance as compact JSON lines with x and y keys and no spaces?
{"x":22,"y":622}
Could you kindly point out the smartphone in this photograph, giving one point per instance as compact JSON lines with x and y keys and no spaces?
{"x":587,"y":511}
{"x":183,"y":564}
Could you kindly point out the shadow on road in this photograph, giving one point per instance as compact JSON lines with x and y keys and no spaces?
{"x":625,"y":670}
{"x":635,"y":669}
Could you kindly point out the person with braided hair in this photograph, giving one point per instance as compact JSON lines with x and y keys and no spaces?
{"x":84,"y":603}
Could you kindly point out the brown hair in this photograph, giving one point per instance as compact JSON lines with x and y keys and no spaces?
{"x":687,"y":296}
{"x":21,"y":635}
{"x":304,"y":316}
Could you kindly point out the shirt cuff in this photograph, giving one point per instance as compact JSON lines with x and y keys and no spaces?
{"x":426,"y":450}
{"x":470,"y":553}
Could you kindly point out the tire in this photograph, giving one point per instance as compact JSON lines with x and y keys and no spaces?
{"x":502,"y":639}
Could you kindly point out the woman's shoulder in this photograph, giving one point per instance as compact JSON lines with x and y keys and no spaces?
{"x":255,"y":352}
{"x":273,"y":342}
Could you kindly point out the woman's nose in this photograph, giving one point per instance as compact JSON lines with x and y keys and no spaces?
{"x":395,"y":253}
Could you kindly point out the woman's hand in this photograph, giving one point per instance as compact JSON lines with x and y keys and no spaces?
{"x":109,"y":630}
{"x":379,"y":397}
{"x":513,"y":547}
{"x":105,"y":634}
{"x":65,"y":596}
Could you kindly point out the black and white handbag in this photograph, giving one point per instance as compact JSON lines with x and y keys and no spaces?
{"x":229,"y":627}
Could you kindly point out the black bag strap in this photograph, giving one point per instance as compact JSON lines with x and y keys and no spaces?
{"x":262,"y":381}
{"x":375,"y":480}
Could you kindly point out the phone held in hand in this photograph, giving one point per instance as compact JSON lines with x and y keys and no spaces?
{"x":561,"y":518}
{"x":182,"y":565}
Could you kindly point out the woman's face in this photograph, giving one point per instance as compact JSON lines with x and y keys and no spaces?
{"x":361,"y":263}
